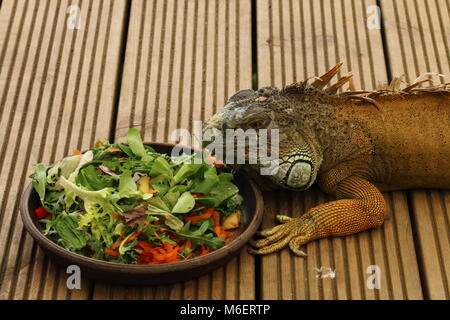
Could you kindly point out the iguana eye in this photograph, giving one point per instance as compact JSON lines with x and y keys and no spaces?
{"x":258,"y":123}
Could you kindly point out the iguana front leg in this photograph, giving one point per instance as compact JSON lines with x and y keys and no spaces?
{"x":361,"y":206}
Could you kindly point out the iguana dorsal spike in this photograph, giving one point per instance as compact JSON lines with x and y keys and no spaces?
{"x":416,"y":84}
{"x":355,"y":93}
{"x":334,"y":88}
{"x":327,"y":76}
{"x":367,"y":99}
{"x":395,"y":84}
{"x":351,"y":85}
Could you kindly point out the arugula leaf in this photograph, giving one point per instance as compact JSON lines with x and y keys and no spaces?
{"x":184,"y":204}
{"x":230,"y":205}
{"x":162,"y":188}
{"x":185,"y":171}
{"x":162,"y":169}
{"x":210,"y":179}
{"x":226,"y":176}
{"x":199,"y":236}
{"x":40,"y":179}
{"x":89,"y":178}
{"x":220,"y":192}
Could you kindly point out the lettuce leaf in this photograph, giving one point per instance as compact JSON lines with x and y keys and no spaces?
{"x":136,"y":145}
{"x":157,"y":207}
{"x":40,"y":179}
{"x":185,"y":203}
{"x":127,"y":186}
{"x":72,"y":239}
{"x":87,"y":196}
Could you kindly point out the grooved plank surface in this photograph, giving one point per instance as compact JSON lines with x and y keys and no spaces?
{"x":183,"y":59}
{"x":418,"y":36}
{"x":301,"y":39}
{"x":55,"y":85}
{"x":61,"y":89}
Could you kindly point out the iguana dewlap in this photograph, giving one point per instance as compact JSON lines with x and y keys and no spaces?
{"x":354,"y":144}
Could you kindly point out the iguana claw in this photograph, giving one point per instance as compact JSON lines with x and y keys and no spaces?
{"x":291,"y":233}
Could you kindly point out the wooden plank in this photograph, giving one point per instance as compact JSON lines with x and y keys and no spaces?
{"x":184,"y":58}
{"x":301,"y":39}
{"x":418,"y":36}
{"x":54,"y":83}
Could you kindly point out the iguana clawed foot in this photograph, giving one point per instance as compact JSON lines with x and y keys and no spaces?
{"x":292,"y":232}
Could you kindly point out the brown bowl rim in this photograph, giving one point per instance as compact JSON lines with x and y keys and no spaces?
{"x":216,"y":255}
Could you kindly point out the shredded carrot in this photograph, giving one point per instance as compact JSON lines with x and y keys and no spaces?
{"x":216,"y":217}
{"x":146,"y":246}
{"x":165,"y":254}
{"x":196,"y":219}
{"x":122,"y":159}
{"x":111,"y":252}
{"x":116,"y":245}
{"x":113,"y":150}
{"x":117,"y":216}
{"x":134,"y":236}
{"x":205,"y":250}
{"x":77,"y":152}
{"x":153,"y":191}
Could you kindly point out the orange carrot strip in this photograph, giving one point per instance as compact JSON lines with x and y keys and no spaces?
{"x":116,"y":245}
{"x":111,"y":252}
{"x":205,"y":250}
{"x":216,"y":218}
{"x":152,"y":191}
{"x":134,"y":236}
{"x":76,"y":152}
{"x":196,"y":219}
{"x":113,"y":150}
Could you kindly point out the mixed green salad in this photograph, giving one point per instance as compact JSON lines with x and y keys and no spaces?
{"x":130,"y":204}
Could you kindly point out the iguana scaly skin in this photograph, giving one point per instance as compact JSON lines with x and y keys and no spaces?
{"x":354,"y":144}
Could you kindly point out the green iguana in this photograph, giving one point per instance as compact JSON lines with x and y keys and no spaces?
{"x":354,"y":144}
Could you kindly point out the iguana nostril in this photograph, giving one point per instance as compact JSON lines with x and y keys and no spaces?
{"x":299,"y":175}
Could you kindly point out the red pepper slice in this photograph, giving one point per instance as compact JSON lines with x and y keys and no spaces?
{"x":41,"y":213}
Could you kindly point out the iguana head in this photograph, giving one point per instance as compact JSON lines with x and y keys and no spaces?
{"x":269,"y":108}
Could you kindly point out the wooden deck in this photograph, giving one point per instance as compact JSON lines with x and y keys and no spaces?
{"x":158,"y":65}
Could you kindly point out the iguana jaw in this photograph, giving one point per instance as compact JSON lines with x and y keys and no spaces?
{"x":296,"y":173}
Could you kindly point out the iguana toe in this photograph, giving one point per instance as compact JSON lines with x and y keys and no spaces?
{"x":292,"y":232}
{"x":296,"y":243}
{"x":282,"y":232}
{"x":282,"y":218}
{"x":273,"y":247}
{"x":268,"y":232}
